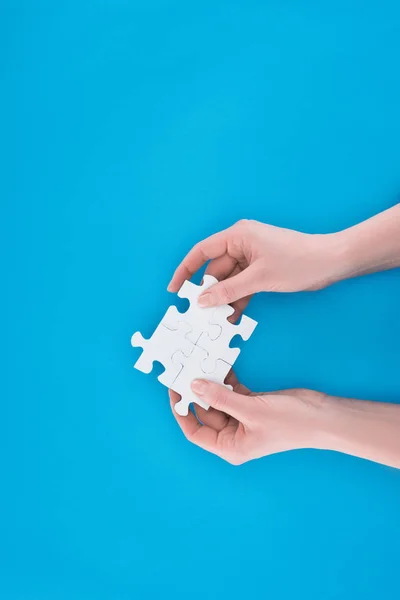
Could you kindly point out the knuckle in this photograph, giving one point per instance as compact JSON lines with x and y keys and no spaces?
{"x":235,"y":460}
{"x":187,"y":436}
{"x":242,"y":223}
{"x":245,"y":224}
{"x":199,"y":249}
{"x":232,"y":453}
{"x":192,"y":438}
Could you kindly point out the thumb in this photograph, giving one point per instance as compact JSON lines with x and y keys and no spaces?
{"x":222,"y":398}
{"x":234,"y":288}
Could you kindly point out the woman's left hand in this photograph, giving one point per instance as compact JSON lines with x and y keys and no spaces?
{"x":240,"y":426}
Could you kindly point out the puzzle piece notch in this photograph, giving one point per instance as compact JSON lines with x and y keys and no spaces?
{"x":192,"y":368}
{"x":244,"y":328}
{"x":219,"y":348}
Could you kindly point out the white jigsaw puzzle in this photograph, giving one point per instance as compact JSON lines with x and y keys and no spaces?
{"x":193,"y":344}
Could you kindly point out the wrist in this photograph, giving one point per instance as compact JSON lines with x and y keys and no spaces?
{"x":310,"y":419}
{"x":333,"y":254}
{"x":350,"y":260}
{"x":370,"y":246}
{"x":361,"y":428}
{"x":306,"y":417}
{"x":321,"y":421}
{"x":342,"y":256}
{"x":329,"y":432}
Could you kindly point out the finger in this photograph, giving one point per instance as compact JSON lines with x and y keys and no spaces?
{"x":218,"y":272}
{"x":221,"y":398}
{"x":212,"y":418}
{"x":195,"y":432}
{"x":188,"y":424}
{"x":243,"y":284}
{"x":211,"y":247}
{"x":238,"y":387}
{"x":236,"y":269}
{"x":222,"y":267}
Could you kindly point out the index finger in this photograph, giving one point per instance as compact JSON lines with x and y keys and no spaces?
{"x":212,"y":247}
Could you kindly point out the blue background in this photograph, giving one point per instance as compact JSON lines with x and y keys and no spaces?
{"x":129,"y":131}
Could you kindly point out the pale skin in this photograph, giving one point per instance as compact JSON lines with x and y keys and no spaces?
{"x":252,"y":257}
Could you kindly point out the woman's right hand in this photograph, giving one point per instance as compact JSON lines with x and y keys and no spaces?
{"x":252,"y":257}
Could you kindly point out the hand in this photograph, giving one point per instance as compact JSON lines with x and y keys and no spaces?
{"x":251,"y":257}
{"x":240,"y":426}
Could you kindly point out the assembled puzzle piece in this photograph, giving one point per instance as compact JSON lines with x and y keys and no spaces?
{"x":160,"y":347}
{"x":220,"y":346}
{"x":178,"y":360}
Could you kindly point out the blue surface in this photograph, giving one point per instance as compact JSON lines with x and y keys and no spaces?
{"x":129,"y":131}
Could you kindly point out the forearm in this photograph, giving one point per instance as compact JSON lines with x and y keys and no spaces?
{"x":373,"y":245}
{"x":361,"y":428}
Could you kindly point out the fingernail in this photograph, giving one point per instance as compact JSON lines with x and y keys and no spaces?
{"x":169,"y":287}
{"x":199,"y":386}
{"x":205,"y":300}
